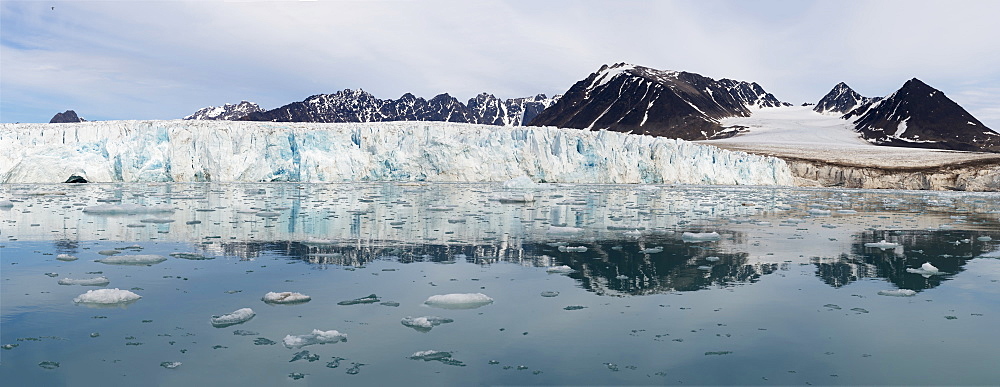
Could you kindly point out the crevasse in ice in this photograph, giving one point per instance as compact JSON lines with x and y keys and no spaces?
{"x":177,"y":150}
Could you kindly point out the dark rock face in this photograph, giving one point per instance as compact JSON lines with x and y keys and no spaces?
{"x":628,"y":98}
{"x":360,"y":106}
{"x":840,"y":100}
{"x":228,"y":112}
{"x":76,"y":179}
{"x":920,"y":116}
{"x":66,"y":117}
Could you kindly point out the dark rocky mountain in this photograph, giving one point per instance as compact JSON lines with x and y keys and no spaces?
{"x":840,"y":100}
{"x":65,"y":117}
{"x":920,"y":116}
{"x":360,"y":106}
{"x":227,"y":112}
{"x":629,"y":98}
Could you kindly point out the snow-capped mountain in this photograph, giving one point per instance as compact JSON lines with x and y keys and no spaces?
{"x":840,"y":100}
{"x":199,"y":150}
{"x":360,"y":106}
{"x":920,"y":116}
{"x":228,"y":112}
{"x":630,"y":98}
{"x":65,"y":117}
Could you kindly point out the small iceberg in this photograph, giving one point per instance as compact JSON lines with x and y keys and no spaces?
{"x":700,"y":236}
{"x":563,"y":269}
{"x":926,"y":270}
{"x":432,"y":355}
{"x":96,"y":281}
{"x":882,"y":245}
{"x":238,"y":317}
{"x":424,"y":323}
{"x":573,"y":249}
{"x":170,"y":364}
{"x":316,"y":337}
{"x":147,"y":259}
{"x":116,"y":209}
{"x":369,"y":299}
{"x":652,"y":250}
{"x":285,"y":298}
{"x":107,"y":297}
{"x":66,"y":257}
{"x":458,"y":300}
{"x":897,"y":293}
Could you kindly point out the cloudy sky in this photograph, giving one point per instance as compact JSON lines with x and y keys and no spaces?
{"x":166,"y":59}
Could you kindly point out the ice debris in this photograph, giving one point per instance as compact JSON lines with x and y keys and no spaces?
{"x":458,"y":300}
{"x":369,"y":299}
{"x":237,"y":317}
{"x":562,"y":269}
{"x":882,"y":245}
{"x":285,"y":298}
{"x":700,"y":236}
{"x":316,"y":337}
{"x":106,"y":297}
{"x":66,"y":257}
{"x":304,"y":355}
{"x":549,"y":293}
{"x":898,"y":293}
{"x":424,"y":323}
{"x":432,"y":355}
{"x":113,"y":209}
{"x":522,"y":181}
{"x":573,"y":249}
{"x":170,"y":364}
{"x":190,"y":256}
{"x":96,"y":281}
{"x":926,"y":270}
{"x":147,"y":259}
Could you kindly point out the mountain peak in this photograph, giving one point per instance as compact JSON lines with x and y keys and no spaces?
{"x":66,"y":117}
{"x":227,"y":112}
{"x":840,"y":100}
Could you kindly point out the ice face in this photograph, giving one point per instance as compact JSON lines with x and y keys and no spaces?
{"x":107,"y":297}
{"x":158,"y":151}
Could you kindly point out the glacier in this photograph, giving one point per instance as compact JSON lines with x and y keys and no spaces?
{"x":225,"y":151}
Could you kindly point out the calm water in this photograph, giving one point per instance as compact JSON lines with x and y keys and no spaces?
{"x":787,"y":293}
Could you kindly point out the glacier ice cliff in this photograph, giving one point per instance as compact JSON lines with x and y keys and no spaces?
{"x":177,"y":150}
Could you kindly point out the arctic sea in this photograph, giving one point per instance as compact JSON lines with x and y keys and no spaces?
{"x":555,"y":284}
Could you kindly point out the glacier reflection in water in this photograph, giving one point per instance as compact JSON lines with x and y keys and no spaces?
{"x":605,"y":284}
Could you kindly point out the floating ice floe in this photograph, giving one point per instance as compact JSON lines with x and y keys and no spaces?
{"x":515,"y":198}
{"x":549,"y":293}
{"x":285,"y":298}
{"x":652,"y":250}
{"x":237,"y":317}
{"x":897,"y":293}
{"x":369,"y":299}
{"x":424,"y":323}
{"x":883,"y":245}
{"x":817,"y":211}
{"x":441,"y":356}
{"x":147,"y":259}
{"x":458,"y":300}
{"x":156,"y":220}
{"x":712,"y":259}
{"x":926,"y":270}
{"x":66,"y":257}
{"x":562,"y":269}
{"x":190,"y":256}
{"x":700,"y":236}
{"x":632,"y":234}
{"x":316,"y":337}
{"x":106,"y":297}
{"x":96,"y":281}
{"x":573,"y":249}
{"x":170,"y":364}
{"x":114,"y":209}
{"x":847,"y":212}
{"x":985,"y":238}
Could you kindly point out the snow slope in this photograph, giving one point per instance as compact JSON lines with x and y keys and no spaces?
{"x":178,"y":150}
{"x":800,"y":132}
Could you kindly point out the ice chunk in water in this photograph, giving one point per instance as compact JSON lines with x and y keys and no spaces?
{"x":700,"y":236}
{"x":424,"y":323}
{"x":106,"y":297}
{"x":96,"y":281}
{"x":285,"y":298}
{"x":170,"y":364}
{"x":369,"y":299}
{"x":652,"y":250}
{"x":573,"y":249}
{"x":66,"y":257}
{"x":882,"y":245}
{"x":926,"y":270}
{"x":432,"y":355}
{"x":147,"y":259}
{"x":897,"y":293}
{"x":458,"y":300}
{"x":520,"y":182}
{"x":560,"y":269}
{"x":238,"y":317}
{"x":113,"y":209}
{"x":549,"y":293}
{"x":316,"y":337}
{"x":190,"y":256}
